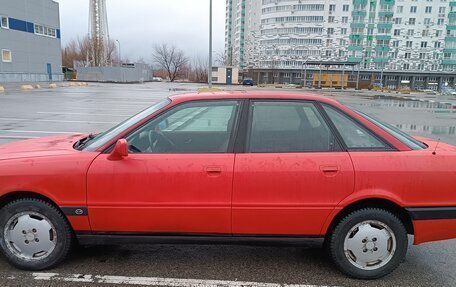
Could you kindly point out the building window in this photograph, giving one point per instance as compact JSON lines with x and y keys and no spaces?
{"x":409,"y":44}
{"x":412,"y":21}
{"x":345,"y":8}
{"x":399,"y":9}
{"x":406,"y":66}
{"x":427,"y":21}
{"x":408,"y":55}
{"x":397,"y":32}
{"x":440,"y":21}
{"x":343,"y":31}
{"x":5,"y":22}
{"x":332,"y":8}
{"x":215,"y":79}
{"x":410,"y":32}
{"x":396,"y":43}
{"x":397,"y":20}
{"x":413,"y":9}
{"x":438,"y":33}
{"x":422,"y":56}
{"x":437,"y":45}
{"x":330,"y":31}
{"x":6,"y":56}
{"x":345,"y":19}
{"x":45,"y":31}
{"x":425,"y":33}
{"x":331,"y":19}
{"x":428,"y":9}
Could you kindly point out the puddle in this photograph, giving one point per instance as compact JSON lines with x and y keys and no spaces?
{"x":413,"y":103}
{"x":425,"y":129}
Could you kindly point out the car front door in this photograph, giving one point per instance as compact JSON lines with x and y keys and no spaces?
{"x":293,"y":171}
{"x":177,"y":177}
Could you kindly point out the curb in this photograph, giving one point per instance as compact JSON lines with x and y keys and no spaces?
{"x":26,"y":87}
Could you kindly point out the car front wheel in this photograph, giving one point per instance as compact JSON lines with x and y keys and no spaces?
{"x":368,"y":244}
{"x":34,"y":234}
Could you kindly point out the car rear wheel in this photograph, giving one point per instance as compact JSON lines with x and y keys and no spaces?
{"x":34,"y":234}
{"x":368,"y":244}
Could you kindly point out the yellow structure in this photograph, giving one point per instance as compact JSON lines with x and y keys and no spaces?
{"x":329,"y":80}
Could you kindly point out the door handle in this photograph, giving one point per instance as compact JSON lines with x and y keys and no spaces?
{"x":329,"y":169}
{"x":213,"y":170}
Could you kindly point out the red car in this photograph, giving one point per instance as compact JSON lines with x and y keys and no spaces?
{"x":231,"y":167}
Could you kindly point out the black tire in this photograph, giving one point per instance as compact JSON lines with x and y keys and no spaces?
{"x":63,"y":232}
{"x":336,"y":239}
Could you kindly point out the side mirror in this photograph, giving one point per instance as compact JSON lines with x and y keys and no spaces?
{"x":120,"y":150}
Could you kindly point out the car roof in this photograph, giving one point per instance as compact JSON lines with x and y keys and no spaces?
{"x":279,"y":95}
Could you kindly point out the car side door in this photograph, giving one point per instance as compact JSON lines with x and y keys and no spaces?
{"x":292,"y":173}
{"x":177,"y":177}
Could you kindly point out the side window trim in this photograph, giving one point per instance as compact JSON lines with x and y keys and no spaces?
{"x":388,"y":146}
{"x":247,"y":124}
{"x":234,"y":128}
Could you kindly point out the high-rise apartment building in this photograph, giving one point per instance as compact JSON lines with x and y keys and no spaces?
{"x":410,"y":36}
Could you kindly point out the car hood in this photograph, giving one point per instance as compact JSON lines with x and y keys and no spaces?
{"x":47,"y":146}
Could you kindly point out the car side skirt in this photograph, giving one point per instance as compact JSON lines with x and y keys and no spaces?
{"x":433,"y":223}
{"x":103,"y":238}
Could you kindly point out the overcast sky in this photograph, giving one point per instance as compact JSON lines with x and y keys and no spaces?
{"x":140,"y":24}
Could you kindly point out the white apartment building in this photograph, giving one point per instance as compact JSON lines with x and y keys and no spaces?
{"x":392,"y":36}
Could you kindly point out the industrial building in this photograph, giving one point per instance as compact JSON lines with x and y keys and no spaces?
{"x":394,"y":43}
{"x":30,"y":41}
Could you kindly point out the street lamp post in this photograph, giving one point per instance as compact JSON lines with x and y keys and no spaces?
{"x":209,"y":75}
{"x":120,"y":54}
{"x":304,"y":73}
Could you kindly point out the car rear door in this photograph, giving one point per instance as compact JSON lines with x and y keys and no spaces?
{"x":293,"y":171}
{"x":177,"y":177}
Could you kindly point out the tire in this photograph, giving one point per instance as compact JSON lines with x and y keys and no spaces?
{"x":34,"y":235}
{"x":377,"y":236}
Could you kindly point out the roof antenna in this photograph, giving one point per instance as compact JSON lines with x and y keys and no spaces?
{"x":435,"y":149}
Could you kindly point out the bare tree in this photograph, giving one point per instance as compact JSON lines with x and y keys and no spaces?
{"x":222,"y":59}
{"x":171,"y":59}
{"x":200,"y":69}
{"x":70,"y":54}
{"x":79,"y":50}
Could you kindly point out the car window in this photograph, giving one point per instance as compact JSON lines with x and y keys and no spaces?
{"x":103,"y":138}
{"x":197,"y":127}
{"x":288,"y":127}
{"x":354,"y":134}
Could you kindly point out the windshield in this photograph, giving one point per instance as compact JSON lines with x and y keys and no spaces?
{"x":397,"y":133}
{"x":103,"y":138}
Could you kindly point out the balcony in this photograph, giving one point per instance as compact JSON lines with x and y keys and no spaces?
{"x":359,"y":13}
{"x":355,"y":59}
{"x":355,"y":48}
{"x":449,"y":61}
{"x":385,"y":14}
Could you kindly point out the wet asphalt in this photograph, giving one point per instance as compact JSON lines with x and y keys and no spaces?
{"x":48,"y":112}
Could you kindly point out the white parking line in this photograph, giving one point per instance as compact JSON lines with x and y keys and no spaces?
{"x":17,"y":137}
{"x":154,"y":281}
{"x":56,"y":121}
{"x":83,"y":114}
{"x":38,"y":132}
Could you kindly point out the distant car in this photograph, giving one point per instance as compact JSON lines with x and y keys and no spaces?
{"x":231,"y":168}
{"x":157,"y":79}
{"x":247,"y":82}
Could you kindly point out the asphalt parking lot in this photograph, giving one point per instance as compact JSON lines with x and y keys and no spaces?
{"x":97,"y":107}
